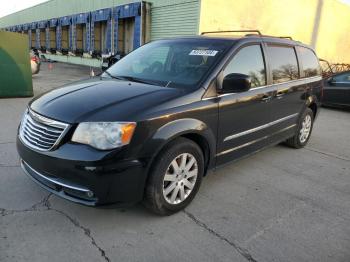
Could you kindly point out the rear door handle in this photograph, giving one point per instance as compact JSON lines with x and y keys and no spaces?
{"x":279,"y":95}
{"x":266,"y":98}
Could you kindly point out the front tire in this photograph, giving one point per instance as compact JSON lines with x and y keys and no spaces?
{"x":175,"y":177}
{"x":303,"y":132}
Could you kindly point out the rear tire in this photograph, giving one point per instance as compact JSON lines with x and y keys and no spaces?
{"x":175,"y":177}
{"x":303,"y":132}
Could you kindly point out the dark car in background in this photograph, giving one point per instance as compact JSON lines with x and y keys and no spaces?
{"x":151,"y":126}
{"x":107,"y":62}
{"x":337,"y":90}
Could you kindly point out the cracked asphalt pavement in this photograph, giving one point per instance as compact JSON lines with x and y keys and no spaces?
{"x":280,"y":204}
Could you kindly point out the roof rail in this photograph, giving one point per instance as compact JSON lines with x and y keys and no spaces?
{"x":283,"y":37}
{"x":286,"y":37}
{"x":233,"y":31}
{"x":251,"y":33}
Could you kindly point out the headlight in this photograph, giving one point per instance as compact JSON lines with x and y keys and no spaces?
{"x":104,"y":135}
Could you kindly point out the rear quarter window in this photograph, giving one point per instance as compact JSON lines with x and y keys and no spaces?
{"x":309,"y":61}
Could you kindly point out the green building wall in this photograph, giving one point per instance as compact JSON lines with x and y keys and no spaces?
{"x":169,"y":17}
{"x":174,"y":18}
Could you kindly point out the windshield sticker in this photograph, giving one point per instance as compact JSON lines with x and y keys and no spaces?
{"x":204,"y":52}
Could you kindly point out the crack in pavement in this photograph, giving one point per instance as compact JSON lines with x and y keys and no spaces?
{"x":45,"y":202}
{"x":2,"y":212}
{"x":5,"y":143}
{"x":245,"y":253}
{"x":33,"y":208}
{"x":327,"y":153}
{"x":273,"y":222}
{"x":86,"y":231}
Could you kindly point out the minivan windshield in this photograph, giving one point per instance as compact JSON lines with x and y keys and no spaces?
{"x":179,"y":63}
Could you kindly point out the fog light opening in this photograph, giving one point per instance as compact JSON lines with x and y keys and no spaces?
{"x":89,"y":193}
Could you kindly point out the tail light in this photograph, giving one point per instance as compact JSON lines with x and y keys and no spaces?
{"x":35,"y":59}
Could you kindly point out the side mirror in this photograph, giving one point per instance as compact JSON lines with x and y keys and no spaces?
{"x":235,"y":83}
{"x":332,"y":81}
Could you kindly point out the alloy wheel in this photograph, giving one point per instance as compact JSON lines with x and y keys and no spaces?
{"x":180,"y":178}
{"x":305,"y":129}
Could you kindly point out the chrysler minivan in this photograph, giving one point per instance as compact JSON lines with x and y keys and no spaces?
{"x":151,"y":126}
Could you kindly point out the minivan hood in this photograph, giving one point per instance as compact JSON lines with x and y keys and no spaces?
{"x":101,"y":100}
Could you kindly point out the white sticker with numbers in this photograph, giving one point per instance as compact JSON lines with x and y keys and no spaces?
{"x":204,"y":52}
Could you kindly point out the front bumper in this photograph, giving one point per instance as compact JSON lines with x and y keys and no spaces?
{"x":84,"y":175}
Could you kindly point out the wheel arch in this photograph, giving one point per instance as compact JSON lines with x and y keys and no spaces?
{"x":314,"y":108}
{"x":313,"y":104}
{"x":202,"y":142}
{"x":192,"y":129}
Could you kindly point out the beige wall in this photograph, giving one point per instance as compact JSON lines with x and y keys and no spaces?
{"x":324,"y":24}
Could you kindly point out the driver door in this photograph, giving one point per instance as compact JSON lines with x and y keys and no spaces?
{"x":337,"y":90}
{"x":244,"y":117}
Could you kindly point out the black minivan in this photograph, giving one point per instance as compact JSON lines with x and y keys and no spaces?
{"x":151,"y":126}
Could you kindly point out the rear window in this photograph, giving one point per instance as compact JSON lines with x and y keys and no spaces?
{"x":311,"y":66}
{"x":283,"y":63}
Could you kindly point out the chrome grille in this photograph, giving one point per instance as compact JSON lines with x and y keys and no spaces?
{"x":41,"y":133}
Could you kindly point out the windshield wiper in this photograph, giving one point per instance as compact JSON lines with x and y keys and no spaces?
{"x":138,"y":80}
{"x":133,"y":79}
{"x":112,"y":76}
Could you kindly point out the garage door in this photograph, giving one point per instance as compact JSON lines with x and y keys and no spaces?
{"x":175,"y":20}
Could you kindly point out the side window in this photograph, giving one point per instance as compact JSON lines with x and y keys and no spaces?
{"x":284,"y":64}
{"x":249,"y":61}
{"x":343,"y":78}
{"x":311,"y":66}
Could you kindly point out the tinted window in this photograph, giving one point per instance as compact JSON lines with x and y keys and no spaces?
{"x":343,"y":78}
{"x":311,"y":66}
{"x":284,"y":65}
{"x":171,"y":63}
{"x":249,"y":61}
